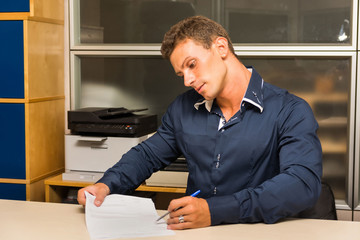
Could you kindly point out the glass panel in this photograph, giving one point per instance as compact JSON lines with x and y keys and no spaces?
{"x":258,"y":21}
{"x":129,"y":21}
{"x":289,"y":21}
{"x":129,"y":82}
{"x":325,"y":85}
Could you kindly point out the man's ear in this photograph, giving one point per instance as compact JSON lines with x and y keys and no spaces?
{"x":222,"y":46}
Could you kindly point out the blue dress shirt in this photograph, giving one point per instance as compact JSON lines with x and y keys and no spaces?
{"x":263,"y":164}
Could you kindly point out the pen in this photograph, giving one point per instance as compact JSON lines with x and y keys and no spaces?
{"x":192,"y":195}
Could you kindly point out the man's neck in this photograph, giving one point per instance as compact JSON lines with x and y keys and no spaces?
{"x":231,"y":97}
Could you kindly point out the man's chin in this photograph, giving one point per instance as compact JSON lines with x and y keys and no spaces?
{"x":207,"y":97}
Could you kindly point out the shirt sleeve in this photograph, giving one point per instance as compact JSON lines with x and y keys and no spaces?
{"x":294,"y":189}
{"x":142,"y":160}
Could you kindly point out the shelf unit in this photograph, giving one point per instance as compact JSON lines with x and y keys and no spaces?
{"x":31,"y":96}
{"x":57,"y":189}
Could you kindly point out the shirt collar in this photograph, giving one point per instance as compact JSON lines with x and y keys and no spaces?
{"x":208,"y":104}
{"x":253,"y":95}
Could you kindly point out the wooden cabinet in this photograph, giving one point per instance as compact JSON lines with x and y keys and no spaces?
{"x":31,"y":96}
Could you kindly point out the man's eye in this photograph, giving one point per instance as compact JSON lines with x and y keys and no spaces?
{"x":180,"y":76}
{"x":192,"y":64}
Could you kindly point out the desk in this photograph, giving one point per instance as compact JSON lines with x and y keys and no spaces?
{"x":39,"y":220}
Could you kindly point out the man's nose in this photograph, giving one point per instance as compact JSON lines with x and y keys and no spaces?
{"x":189,"y":79}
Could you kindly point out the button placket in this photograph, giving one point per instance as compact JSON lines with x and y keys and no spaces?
{"x":218,"y":161}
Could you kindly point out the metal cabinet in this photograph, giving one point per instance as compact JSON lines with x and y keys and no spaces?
{"x":307,"y":47}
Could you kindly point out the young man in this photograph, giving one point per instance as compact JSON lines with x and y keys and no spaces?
{"x":251,"y":147}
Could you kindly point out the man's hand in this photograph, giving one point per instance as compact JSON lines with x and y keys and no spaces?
{"x":194,"y":211}
{"x":99,"y":190}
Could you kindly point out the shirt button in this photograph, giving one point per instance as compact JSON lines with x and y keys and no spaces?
{"x":218,"y":161}
{"x":222,"y":130}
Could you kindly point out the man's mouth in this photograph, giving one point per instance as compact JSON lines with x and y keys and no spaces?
{"x":199,"y":88}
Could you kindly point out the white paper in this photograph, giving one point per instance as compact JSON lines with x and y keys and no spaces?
{"x":122,"y":216}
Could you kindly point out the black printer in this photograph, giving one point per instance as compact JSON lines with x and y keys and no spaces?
{"x":120,"y":122}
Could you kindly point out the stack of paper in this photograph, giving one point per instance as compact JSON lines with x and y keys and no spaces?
{"x":122,"y":216}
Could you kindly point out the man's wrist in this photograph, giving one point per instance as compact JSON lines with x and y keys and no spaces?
{"x":223,"y":209}
{"x":103,"y":187}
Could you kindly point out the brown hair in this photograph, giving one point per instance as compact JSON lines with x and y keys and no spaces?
{"x":198,"y":28}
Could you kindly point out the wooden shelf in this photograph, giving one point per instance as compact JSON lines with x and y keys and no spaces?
{"x":334,"y":122}
{"x":146,"y":188}
{"x":55,"y":188}
{"x":333,"y":148}
{"x":312,"y":98}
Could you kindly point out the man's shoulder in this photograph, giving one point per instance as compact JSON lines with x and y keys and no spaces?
{"x":281,"y":94}
{"x":271,"y":89}
{"x":189,"y":97}
{"x":182,"y":106}
{"x":281,"y":100}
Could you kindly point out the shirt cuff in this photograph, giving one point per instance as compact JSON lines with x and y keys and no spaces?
{"x":224,"y":209}
{"x":112,"y":184}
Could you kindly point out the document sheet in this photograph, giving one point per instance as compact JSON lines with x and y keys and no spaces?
{"x":122,"y":216}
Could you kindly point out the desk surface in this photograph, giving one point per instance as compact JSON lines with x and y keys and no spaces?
{"x":38,"y":220}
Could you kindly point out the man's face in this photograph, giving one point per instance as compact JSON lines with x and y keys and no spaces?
{"x":202,"y":69}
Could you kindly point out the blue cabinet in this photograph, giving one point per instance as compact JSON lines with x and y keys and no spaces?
{"x":12,"y":142}
{"x":13,"y":191}
{"x":15,"y":6}
{"x":12,"y":59}
{"x":31,"y":96}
